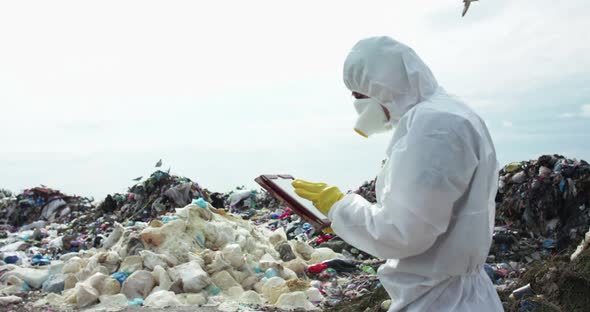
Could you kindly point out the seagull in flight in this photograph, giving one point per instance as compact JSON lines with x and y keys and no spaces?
{"x":467,"y":4}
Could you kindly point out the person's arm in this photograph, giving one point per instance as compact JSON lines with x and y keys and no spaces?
{"x":431,"y":168}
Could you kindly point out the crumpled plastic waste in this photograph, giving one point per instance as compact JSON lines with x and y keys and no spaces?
{"x":200,"y":202}
{"x":340,"y":265}
{"x":121,"y":276}
{"x":11,"y":259}
{"x":136,"y":302}
{"x":40,"y":260}
{"x":317,"y":268}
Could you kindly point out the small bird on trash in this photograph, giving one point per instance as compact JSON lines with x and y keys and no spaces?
{"x":467,"y":4}
{"x":159,"y":163}
{"x":138,"y":178}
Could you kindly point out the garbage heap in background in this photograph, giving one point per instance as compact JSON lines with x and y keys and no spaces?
{"x":367,"y":190}
{"x":157,"y":195}
{"x":542,"y":215}
{"x":547,"y":197}
{"x":244,"y":250}
{"x":40,"y":203}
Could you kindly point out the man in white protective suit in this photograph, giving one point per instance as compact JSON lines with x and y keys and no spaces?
{"x":434,"y":215}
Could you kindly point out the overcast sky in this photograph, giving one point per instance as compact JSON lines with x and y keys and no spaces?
{"x":93,"y":93}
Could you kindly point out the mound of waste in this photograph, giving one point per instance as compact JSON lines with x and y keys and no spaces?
{"x":40,"y":203}
{"x":367,"y":191}
{"x":167,"y":242}
{"x":130,"y":251}
{"x":196,"y":255}
{"x":157,"y":195}
{"x":548,"y":197}
{"x":162,"y":192}
{"x":542,"y":216}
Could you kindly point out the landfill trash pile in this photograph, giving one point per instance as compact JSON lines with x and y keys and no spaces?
{"x":246,"y":202}
{"x":4,"y":195}
{"x":557,"y":284}
{"x":157,"y":195}
{"x":41,"y":204}
{"x":167,"y":243}
{"x":266,"y":200}
{"x":193,"y":256}
{"x":548,"y":197}
{"x":367,"y":191}
{"x":541,"y":218}
{"x":129,"y":251}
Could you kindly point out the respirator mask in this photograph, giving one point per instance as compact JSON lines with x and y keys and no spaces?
{"x":372,"y":118}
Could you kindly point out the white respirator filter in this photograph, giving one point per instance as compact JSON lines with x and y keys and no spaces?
{"x":371,"y":119}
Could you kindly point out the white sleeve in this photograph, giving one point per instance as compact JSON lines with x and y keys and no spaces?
{"x":431,"y":168}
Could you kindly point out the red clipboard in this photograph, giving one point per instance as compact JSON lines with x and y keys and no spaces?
{"x":279,"y":186}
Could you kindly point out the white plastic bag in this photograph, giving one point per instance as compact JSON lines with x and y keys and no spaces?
{"x":162,"y":299}
{"x":194,"y":279}
{"x":138,"y":285}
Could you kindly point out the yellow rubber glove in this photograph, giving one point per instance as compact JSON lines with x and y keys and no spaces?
{"x":322,"y":196}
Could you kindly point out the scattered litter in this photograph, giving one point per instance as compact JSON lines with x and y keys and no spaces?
{"x":168,"y":242}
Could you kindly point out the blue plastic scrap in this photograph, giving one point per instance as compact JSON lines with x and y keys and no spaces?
{"x":503,"y":247}
{"x":527,"y":306}
{"x":200,"y":202}
{"x":25,"y":287}
{"x":135,"y":302}
{"x":213,"y":290}
{"x":40,"y":260}
{"x":11,"y":259}
{"x":200,"y":240}
{"x":120,"y":276}
{"x":489,"y":271}
{"x":549,"y":243}
{"x":167,"y":219}
{"x":271,"y":272}
{"x":562,"y":185}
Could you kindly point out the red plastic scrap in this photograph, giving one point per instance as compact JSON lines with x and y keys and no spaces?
{"x":324,"y":238}
{"x":317,"y":268}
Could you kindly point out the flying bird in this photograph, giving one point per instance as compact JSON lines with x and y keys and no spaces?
{"x":467,"y":4}
{"x":159,"y":163}
{"x":138,"y":178}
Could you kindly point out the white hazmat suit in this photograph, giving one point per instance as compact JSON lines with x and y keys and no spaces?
{"x":434,"y":215}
